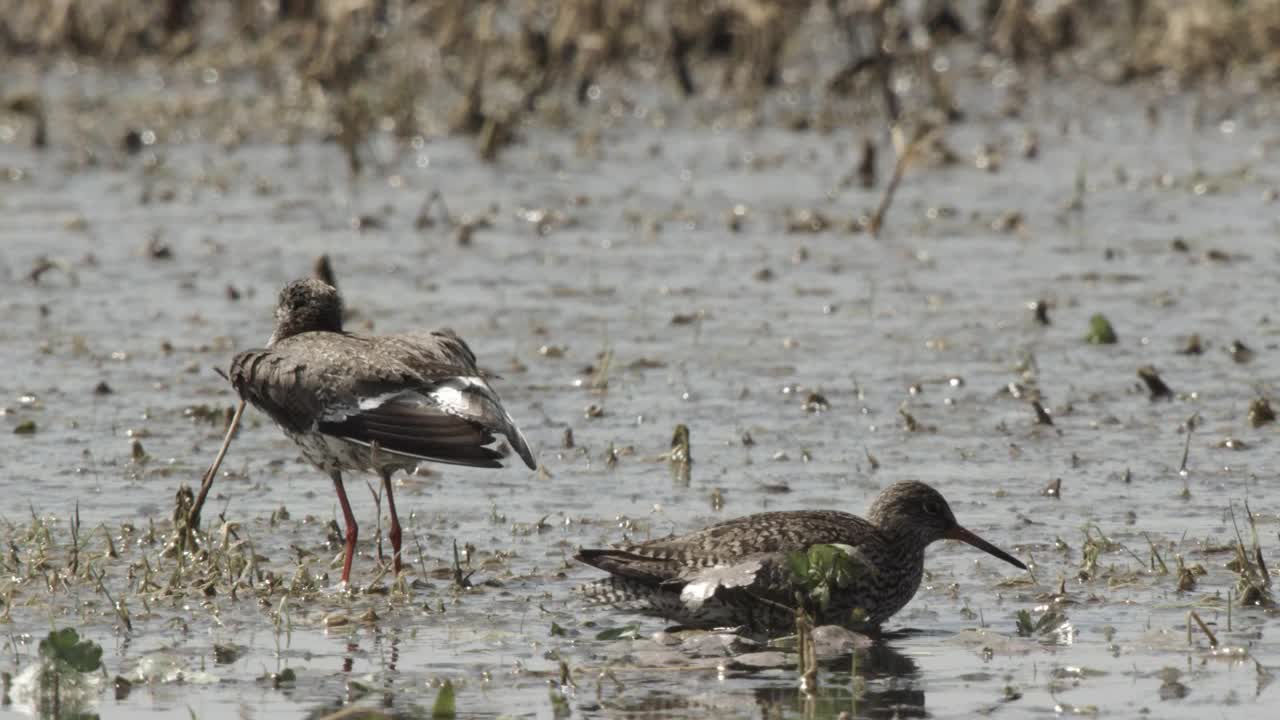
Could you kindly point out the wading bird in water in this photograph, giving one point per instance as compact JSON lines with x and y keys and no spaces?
{"x":743,"y":571}
{"x":378,"y":404}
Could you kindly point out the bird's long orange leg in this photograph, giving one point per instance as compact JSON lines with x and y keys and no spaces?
{"x":352,"y":530}
{"x":394,"y":533}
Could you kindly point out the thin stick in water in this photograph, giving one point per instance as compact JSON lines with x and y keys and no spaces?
{"x":193,"y":517}
{"x":922,"y":136}
{"x":1213,"y":639}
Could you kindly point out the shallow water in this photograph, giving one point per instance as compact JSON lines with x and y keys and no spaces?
{"x":636,"y":255}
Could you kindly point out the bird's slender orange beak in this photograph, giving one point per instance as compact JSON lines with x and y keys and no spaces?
{"x":964,"y":536}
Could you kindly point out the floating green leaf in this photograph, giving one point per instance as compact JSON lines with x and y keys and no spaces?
{"x":626,"y":632}
{"x":557,"y":630}
{"x":26,"y":427}
{"x":445,"y":707}
{"x":1100,"y":331}
{"x":66,"y":646}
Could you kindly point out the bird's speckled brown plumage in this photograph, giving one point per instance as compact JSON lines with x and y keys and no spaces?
{"x":741,"y":567}
{"x":376,"y":404}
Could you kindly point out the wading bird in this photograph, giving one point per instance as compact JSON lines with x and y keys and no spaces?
{"x":744,"y":571}
{"x":377,"y":404}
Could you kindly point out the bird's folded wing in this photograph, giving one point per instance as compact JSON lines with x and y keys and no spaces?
{"x":411,"y":423}
{"x":625,"y":563}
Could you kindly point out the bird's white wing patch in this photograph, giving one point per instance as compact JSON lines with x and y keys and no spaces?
{"x":456,"y":397}
{"x":450,"y":398}
{"x":703,"y":586}
{"x":372,"y":402}
{"x":448,"y":394}
{"x":470,"y":381}
{"x":376,"y":401}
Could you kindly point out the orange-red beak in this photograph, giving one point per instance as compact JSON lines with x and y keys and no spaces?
{"x":964,"y":536}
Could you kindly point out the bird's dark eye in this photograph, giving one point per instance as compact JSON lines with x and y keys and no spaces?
{"x":931,"y":507}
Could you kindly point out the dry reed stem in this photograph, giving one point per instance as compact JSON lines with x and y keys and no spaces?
{"x":193,"y":516}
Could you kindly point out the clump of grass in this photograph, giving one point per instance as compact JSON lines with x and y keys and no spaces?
{"x":1095,"y":545}
{"x":1253,"y":579}
{"x":1187,"y":574}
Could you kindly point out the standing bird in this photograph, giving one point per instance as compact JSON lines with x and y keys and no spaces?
{"x":376,"y":404}
{"x":744,"y":571}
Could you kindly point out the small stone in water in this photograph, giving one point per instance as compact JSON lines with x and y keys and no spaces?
{"x":1240,"y":352}
{"x":816,"y":403}
{"x":1260,"y":412}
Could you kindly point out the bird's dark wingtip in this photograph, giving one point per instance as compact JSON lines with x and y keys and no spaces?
{"x":520,"y":446}
{"x":590,"y":556}
{"x":528,"y":461}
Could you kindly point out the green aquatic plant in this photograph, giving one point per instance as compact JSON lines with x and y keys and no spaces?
{"x":445,"y":706}
{"x":1048,"y":623}
{"x":820,"y":569}
{"x":63,"y":682}
{"x":65,"y":647}
{"x":1100,"y":331}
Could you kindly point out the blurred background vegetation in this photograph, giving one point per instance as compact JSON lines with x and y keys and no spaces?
{"x":415,"y":68}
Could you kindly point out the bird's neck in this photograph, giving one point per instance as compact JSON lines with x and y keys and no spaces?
{"x":906,"y":543}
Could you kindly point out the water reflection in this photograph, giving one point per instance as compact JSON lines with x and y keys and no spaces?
{"x":888,"y":681}
{"x":348,"y":660}
{"x":887,"y":685}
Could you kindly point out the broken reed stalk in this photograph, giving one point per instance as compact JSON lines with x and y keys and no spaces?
{"x":193,"y":516}
{"x":75,"y":540}
{"x":1186,"y":452}
{"x":1193,"y":615}
{"x":459,"y":580}
{"x":923,"y":135}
